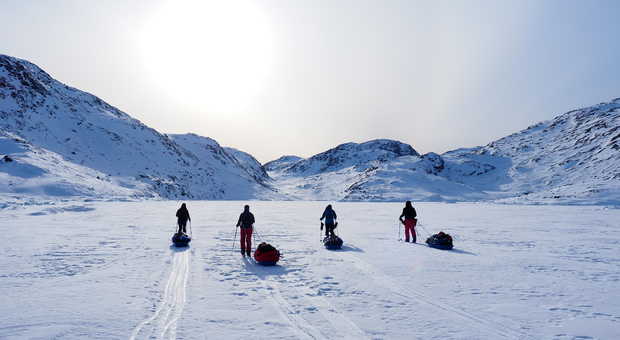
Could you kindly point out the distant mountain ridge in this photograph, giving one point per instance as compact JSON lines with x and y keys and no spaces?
{"x":59,"y":141}
{"x":281,"y":163}
{"x":573,"y":158}
{"x":380,"y":150}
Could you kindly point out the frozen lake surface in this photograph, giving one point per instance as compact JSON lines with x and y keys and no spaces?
{"x":105,"y":270}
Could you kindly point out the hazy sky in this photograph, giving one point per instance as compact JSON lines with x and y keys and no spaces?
{"x":298,"y":77}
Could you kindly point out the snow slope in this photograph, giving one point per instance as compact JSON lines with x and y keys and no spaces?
{"x":105,"y":270}
{"x":83,"y":130}
{"x":249,"y":163}
{"x":574,"y":158}
{"x":281,"y":163}
{"x":240,"y":169}
{"x":27,"y":169}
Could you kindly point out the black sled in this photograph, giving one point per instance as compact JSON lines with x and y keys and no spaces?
{"x":332,"y":242}
{"x":440,"y":241}
{"x":181,"y":240}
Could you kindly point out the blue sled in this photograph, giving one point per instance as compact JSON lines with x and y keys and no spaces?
{"x":333,"y":246}
{"x":181,"y":240}
{"x":332,"y":242}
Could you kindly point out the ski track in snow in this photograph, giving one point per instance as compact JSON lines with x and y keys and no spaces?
{"x":302,"y":328}
{"x":373,"y":273}
{"x":341,"y":326}
{"x":335,"y":326}
{"x":310,"y":315}
{"x":163,"y":323}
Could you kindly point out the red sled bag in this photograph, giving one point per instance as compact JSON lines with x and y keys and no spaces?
{"x":266,"y":254}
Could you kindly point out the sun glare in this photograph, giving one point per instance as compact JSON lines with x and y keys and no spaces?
{"x":216,"y":54}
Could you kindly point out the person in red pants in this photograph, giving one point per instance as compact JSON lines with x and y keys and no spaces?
{"x":408,"y":218}
{"x":246,"y":222}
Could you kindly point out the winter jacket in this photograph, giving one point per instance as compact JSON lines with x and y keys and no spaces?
{"x":329,"y":215}
{"x":183,"y":215}
{"x":246,"y":220}
{"x":409,"y":213}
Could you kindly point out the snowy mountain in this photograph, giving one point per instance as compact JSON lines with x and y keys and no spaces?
{"x":56,"y":140}
{"x":27,"y":169}
{"x":361,"y":156}
{"x":573,"y":158}
{"x":250,"y":163}
{"x":235,"y":162}
{"x":377,"y":170}
{"x":281,"y":163}
{"x":90,"y":140}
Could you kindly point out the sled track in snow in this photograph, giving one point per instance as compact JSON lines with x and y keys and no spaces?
{"x":163,"y":323}
{"x":301,"y":327}
{"x":410,"y":293}
{"x":344,"y":328}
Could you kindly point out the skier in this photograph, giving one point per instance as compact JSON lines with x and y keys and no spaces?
{"x":330,"y":220}
{"x":246,"y":221}
{"x":182,"y":218}
{"x":408,"y":218}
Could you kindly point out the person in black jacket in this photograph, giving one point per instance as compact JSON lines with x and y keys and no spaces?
{"x":246,"y":222}
{"x":330,"y":220}
{"x":408,"y":218}
{"x":182,"y":218}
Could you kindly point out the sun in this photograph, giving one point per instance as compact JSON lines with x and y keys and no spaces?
{"x":216,"y":54}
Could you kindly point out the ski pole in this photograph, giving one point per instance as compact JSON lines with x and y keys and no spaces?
{"x":234,"y":240}
{"x":255,"y":234}
{"x":191,"y":234}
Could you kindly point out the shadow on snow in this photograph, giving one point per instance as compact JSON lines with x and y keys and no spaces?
{"x":348,"y":248}
{"x":264,"y":272}
{"x":176,"y":249}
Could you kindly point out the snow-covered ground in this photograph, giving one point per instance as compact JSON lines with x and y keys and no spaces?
{"x":105,"y":270}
